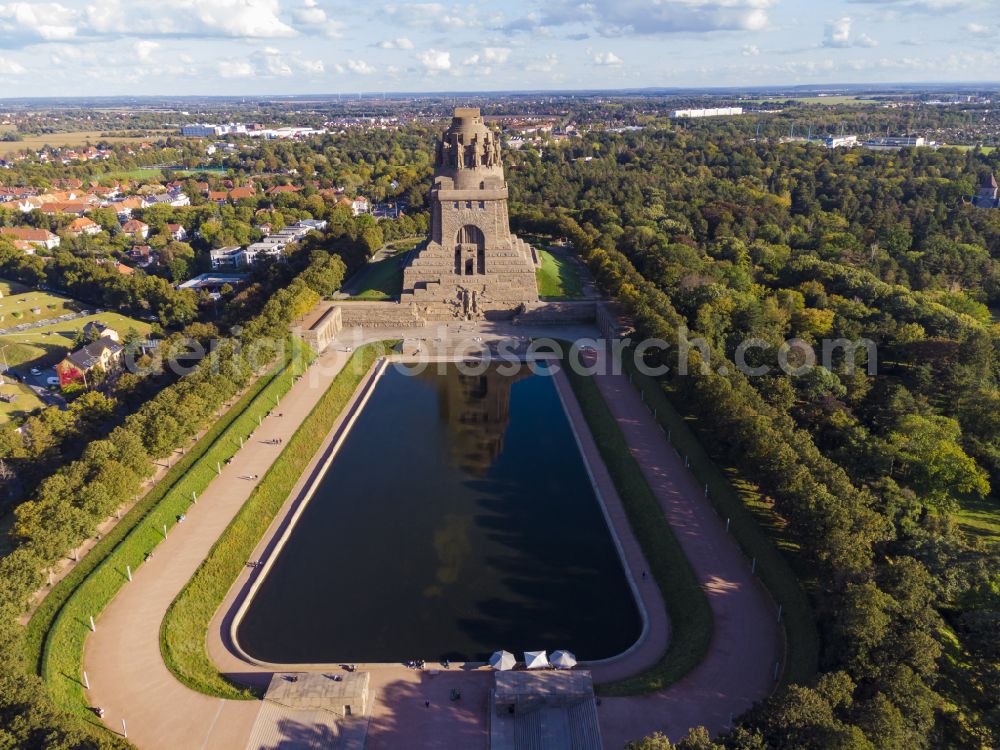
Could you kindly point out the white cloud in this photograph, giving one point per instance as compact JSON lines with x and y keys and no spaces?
{"x":607,"y":58}
{"x":234,"y":69}
{"x":435,"y":61}
{"x":470,"y":60}
{"x":497,"y":55}
{"x":750,"y":50}
{"x":620,"y":17}
{"x":976,"y":29}
{"x":398,"y":43}
{"x":864,"y":40}
{"x":837,"y":33}
{"x":10,"y":67}
{"x":254,"y":19}
{"x":24,"y":23}
{"x":309,"y":18}
{"x":438,"y":15}
{"x":271,"y":62}
{"x":144,"y":49}
{"x":360,"y":67}
{"x":545,"y":64}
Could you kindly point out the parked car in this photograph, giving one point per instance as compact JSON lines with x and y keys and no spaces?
{"x":52,"y":381}
{"x":35,"y":371}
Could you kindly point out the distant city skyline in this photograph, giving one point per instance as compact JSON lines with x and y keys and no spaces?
{"x":267,"y":47}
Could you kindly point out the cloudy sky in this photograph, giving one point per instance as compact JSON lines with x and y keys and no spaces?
{"x":114,"y":47}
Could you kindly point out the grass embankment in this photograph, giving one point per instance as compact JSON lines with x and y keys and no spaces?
{"x":558,"y":278}
{"x":739,"y":501}
{"x":25,"y":402}
{"x":184,"y":629}
{"x":690,"y":616}
{"x":381,"y":280}
{"x":58,"y":629}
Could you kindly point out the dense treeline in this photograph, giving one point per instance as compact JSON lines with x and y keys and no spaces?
{"x":101,"y":285}
{"x":731,"y":241}
{"x":69,"y":504}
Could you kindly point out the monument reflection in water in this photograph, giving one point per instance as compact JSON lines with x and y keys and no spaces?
{"x":457,"y":518}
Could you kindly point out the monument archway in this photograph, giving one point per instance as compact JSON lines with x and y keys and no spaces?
{"x":470,"y":250}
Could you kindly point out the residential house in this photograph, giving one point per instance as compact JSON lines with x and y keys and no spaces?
{"x":103,"y":356}
{"x":38,"y":237}
{"x":125,"y":207}
{"x":247,"y":191}
{"x":176,"y":232}
{"x":143,"y":255}
{"x":279,"y":189}
{"x":73,"y":207}
{"x":136,"y":229}
{"x":227,"y":257}
{"x":360,"y":205}
{"x":988,"y":194}
{"x":83,"y":225}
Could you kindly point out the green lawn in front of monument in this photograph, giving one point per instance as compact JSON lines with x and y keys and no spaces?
{"x":558,"y":278}
{"x":382,"y":279}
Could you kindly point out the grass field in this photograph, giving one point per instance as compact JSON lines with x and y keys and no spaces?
{"x":984,"y":149}
{"x":980,"y":518}
{"x":134,"y":174}
{"x":558,"y":278}
{"x":830,"y":100}
{"x":690,"y":616}
{"x":12,"y":287}
{"x":20,"y":308}
{"x":382,"y":279}
{"x":58,"y":629}
{"x":43,"y":347}
{"x":184,"y":629}
{"x":26,"y":402}
{"x":76,"y":138}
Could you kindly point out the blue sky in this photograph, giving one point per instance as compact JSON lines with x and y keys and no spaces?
{"x":115,"y":47}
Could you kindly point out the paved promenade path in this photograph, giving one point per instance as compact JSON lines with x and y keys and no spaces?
{"x":746,"y":641}
{"x":130,"y":681}
{"x":126,"y":671}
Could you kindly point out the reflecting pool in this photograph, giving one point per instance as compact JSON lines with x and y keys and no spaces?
{"x":456,"y":519}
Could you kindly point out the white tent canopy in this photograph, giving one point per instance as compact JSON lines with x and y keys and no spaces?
{"x":502,"y":660}
{"x":563,"y":659}
{"x":536,"y":660}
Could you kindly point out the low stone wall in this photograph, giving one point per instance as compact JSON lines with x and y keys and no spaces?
{"x":556,"y":313}
{"x":379,"y":315}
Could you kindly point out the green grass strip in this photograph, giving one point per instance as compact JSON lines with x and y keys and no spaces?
{"x":690,"y":615}
{"x":558,"y":278}
{"x":185,"y":627}
{"x":93,"y":584}
{"x":801,"y":635}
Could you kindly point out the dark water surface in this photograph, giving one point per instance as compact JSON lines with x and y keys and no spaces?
{"x":456,"y":519}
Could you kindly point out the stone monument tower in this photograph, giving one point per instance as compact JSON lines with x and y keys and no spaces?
{"x":472,"y":267}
